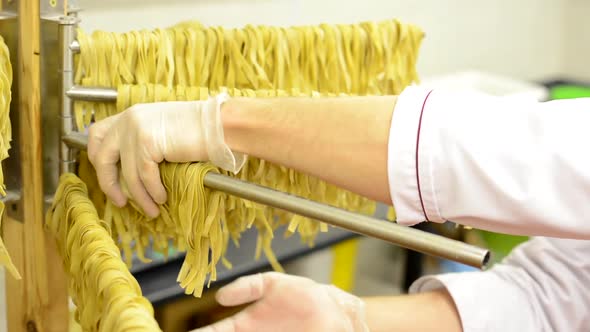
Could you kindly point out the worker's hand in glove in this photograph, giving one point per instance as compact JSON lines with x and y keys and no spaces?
{"x":147,"y":134}
{"x":288,"y":303}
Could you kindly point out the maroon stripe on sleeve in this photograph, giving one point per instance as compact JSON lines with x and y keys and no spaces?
{"x":417,"y":156}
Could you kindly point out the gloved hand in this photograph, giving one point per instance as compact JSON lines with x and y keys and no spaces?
{"x":147,"y":134}
{"x":288,"y":303}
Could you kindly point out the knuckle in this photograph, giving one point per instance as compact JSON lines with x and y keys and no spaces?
{"x":143,"y":170}
{"x":94,"y":129}
{"x":133,"y":115}
{"x":144,"y":138}
{"x":146,"y":169}
{"x":101,"y":162}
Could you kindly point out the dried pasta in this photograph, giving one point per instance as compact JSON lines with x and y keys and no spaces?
{"x":191,"y":62}
{"x":5,"y":138}
{"x":371,"y":58}
{"x":98,"y":278}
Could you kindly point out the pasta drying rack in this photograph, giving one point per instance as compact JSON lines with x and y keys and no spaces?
{"x":45,"y":145}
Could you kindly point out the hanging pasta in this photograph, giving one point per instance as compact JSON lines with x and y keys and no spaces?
{"x":5,"y":138}
{"x":107,"y":296}
{"x":361,"y":59}
{"x":137,"y":231}
{"x":192,"y":62}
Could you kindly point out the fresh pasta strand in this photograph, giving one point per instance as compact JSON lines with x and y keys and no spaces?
{"x":107,"y":296}
{"x":5,"y":138}
{"x":191,"y":62}
{"x":365,"y":58}
{"x":230,"y":216}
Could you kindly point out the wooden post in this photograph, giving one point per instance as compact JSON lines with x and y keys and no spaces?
{"x":41,"y":297}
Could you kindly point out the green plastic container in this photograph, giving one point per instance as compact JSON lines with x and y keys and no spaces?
{"x":567,"y":91}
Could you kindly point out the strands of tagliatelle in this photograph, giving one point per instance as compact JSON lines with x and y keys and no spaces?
{"x":232,"y":214}
{"x":192,"y":62}
{"x":5,"y":138}
{"x":370,"y":58}
{"x":107,"y":296}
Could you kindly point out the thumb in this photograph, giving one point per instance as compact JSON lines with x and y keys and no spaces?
{"x":247,"y":289}
{"x":96,"y":134}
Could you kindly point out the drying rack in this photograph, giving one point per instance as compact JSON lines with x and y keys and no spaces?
{"x":47,"y":145}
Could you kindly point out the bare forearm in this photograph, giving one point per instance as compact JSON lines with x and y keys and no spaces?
{"x":340,"y":140}
{"x":434,"y":311}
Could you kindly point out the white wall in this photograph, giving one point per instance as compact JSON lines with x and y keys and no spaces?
{"x":522,"y":38}
{"x":577,"y":37}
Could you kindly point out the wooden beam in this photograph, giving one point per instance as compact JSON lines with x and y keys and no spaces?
{"x":15,"y":291}
{"x":41,"y":304}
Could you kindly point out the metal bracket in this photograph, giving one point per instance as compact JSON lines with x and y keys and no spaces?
{"x":12,"y":204}
{"x":52,"y":71}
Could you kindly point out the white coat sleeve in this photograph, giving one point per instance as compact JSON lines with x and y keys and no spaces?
{"x":497,"y":163}
{"x":541,"y":287}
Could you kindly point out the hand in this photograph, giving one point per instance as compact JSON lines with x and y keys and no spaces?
{"x":288,"y":303}
{"x":146,"y":134}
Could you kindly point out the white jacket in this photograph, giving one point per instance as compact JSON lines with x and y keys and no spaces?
{"x":507,"y":165}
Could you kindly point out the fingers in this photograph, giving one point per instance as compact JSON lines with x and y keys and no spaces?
{"x":136,"y":186}
{"x":105,"y":162}
{"x":243,"y":290}
{"x":143,"y":181}
{"x":243,"y":321}
{"x":149,"y":174}
{"x":96,"y":134}
{"x":224,"y":325}
{"x":248,"y":289}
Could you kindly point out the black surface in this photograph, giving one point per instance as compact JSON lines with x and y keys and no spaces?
{"x":158,"y":279}
{"x":556,"y":82}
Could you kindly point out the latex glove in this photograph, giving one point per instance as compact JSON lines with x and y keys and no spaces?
{"x":288,"y":303}
{"x":147,"y":134}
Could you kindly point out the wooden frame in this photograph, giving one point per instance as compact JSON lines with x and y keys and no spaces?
{"x":38,"y":302}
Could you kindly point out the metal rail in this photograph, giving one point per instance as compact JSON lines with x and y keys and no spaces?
{"x":92,"y":94}
{"x":406,"y":237}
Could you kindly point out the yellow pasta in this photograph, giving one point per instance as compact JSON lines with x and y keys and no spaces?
{"x":192,"y":62}
{"x":108,"y":297}
{"x":360,"y":59}
{"x":5,"y":138}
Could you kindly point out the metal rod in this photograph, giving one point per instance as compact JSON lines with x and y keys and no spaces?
{"x":406,"y":237}
{"x":66,"y":35}
{"x":12,"y":197}
{"x":76,"y":140}
{"x":92,"y":94}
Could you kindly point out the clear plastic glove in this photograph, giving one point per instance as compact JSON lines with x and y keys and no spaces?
{"x":288,"y":303}
{"x":147,"y":134}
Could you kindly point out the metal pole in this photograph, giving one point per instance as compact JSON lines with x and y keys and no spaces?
{"x":66,"y":35}
{"x":403,"y":236}
{"x":92,"y":94}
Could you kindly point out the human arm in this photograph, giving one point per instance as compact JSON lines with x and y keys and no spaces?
{"x":428,"y":311}
{"x":504,"y":164}
{"x":341,"y":140}
{"x":501,"y":164}
{"x":541,"y":286}
{"x":280,"y":302}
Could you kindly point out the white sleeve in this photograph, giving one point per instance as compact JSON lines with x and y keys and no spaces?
{"x":541,"y":286}
{"x":496,"y":163}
